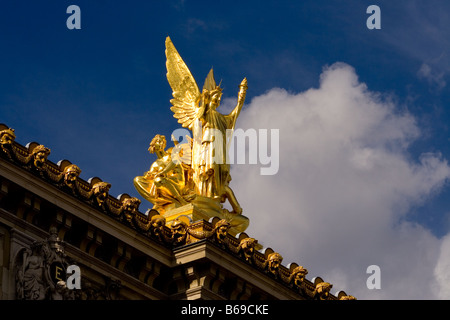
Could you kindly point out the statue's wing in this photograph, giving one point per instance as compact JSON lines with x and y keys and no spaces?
{"x":186,"y":94}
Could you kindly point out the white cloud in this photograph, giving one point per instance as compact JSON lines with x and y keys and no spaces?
{"x":442,"y":269}
{"x":432,"y":76}
{"x":344,"y":186}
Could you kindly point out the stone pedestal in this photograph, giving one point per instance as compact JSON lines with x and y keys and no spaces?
{"x":204,"y":209}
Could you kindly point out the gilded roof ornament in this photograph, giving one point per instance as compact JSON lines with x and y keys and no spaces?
{"x":7,"y":137}
{"x":322,"y":290}
{"x":39,"y":155}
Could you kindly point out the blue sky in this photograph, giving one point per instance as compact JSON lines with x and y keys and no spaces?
{"x":97,"y":96}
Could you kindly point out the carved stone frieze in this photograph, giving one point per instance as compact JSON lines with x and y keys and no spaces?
{"x":41,"y":271}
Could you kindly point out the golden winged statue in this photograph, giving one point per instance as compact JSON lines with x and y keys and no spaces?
{"x":207,"y":173}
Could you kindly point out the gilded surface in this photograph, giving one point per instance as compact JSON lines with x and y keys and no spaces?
{"x":7,"y":137}
{"x":39,"y":156}
{"x":297,"y":276}
{"x":322,"y":291}
{"x":196,"y":172}
{"x":273,"y":263}
{"x":165,"y":184}
{"x":247,"y":247}
{"x":71,"y":174}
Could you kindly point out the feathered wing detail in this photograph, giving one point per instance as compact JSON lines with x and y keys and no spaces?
{"x":186,"y":95}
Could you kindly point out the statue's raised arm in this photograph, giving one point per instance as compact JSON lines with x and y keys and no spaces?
{"x":241,"y":99}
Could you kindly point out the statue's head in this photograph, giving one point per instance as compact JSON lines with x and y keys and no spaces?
{"x":212,"y":92}
{"x":101,"y":191}
{"x":130,"y":207}
{"x":298,"y":275}
{"x":158,"y":143}
{"x":158,"y":221}
{"x":212,"y":97}
{"x":322,"y":290}
{"x":179,"y":231}
{"x":40,"y":154}
{"x":222,"y":227}
{"x":274,"y":261}
{"x":71,"y":173}
{"x":248,"y":247}
{"x":215,"y":96}
{"x":7,"y":136}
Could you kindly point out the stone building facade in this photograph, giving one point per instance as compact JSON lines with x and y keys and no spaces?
{"x":64,"y":238}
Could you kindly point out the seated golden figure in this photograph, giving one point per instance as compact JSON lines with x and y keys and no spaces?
{"x":164,"y":184}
